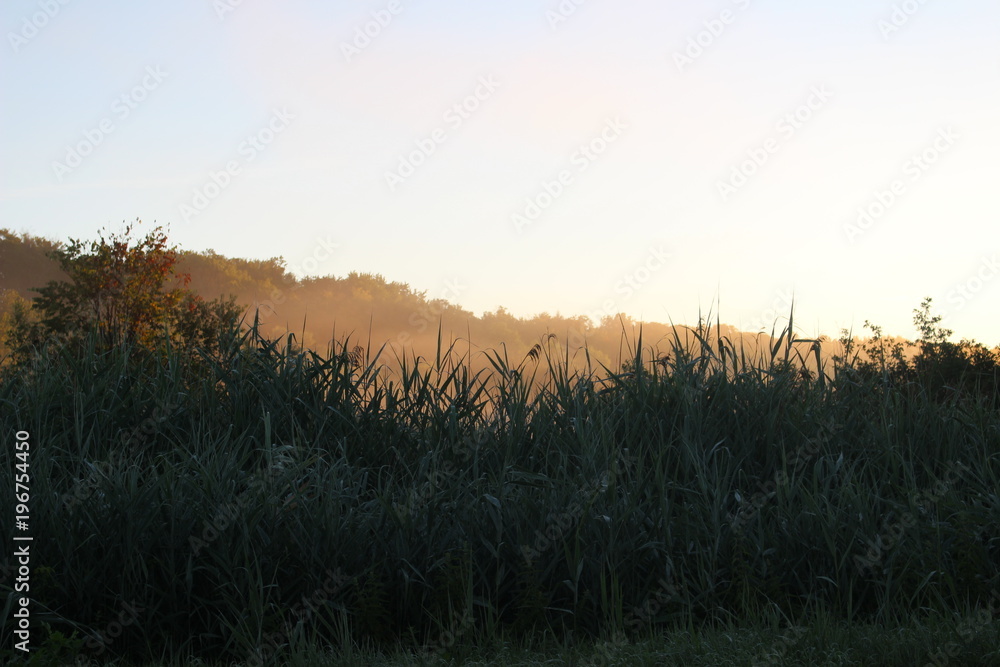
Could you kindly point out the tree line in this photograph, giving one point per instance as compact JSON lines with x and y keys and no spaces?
{"x":141,"y":291}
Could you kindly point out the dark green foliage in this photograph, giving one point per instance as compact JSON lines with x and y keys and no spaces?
{"x":118,"y":291}
{"x":942,"y":369}
{"x":703,"y":484}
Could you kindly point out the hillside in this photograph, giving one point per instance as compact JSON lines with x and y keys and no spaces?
{"x":372,"y":311}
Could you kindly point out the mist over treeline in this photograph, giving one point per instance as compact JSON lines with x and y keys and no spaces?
{"x":370,"y":311}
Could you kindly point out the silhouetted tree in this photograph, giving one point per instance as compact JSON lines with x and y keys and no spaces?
{"x":124,"y":292}
{"x":948,"y":368}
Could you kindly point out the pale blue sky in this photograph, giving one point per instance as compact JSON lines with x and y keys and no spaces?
{"x":207,"y":82}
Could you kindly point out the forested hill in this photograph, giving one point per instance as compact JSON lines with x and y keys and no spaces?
{"x":363,"y":306}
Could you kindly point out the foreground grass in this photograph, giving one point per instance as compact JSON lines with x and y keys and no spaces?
{"x":962,"y":640}
{"x":230,"y":508}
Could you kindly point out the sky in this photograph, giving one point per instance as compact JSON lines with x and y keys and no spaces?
{"x":580,"y":157}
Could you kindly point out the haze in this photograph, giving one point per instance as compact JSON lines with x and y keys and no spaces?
{"x":582,"y":157}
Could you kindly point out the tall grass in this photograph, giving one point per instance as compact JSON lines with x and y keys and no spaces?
{"x":277,"y":497}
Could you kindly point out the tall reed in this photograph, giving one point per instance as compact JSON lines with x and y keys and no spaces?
{"x":276,"y":495}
